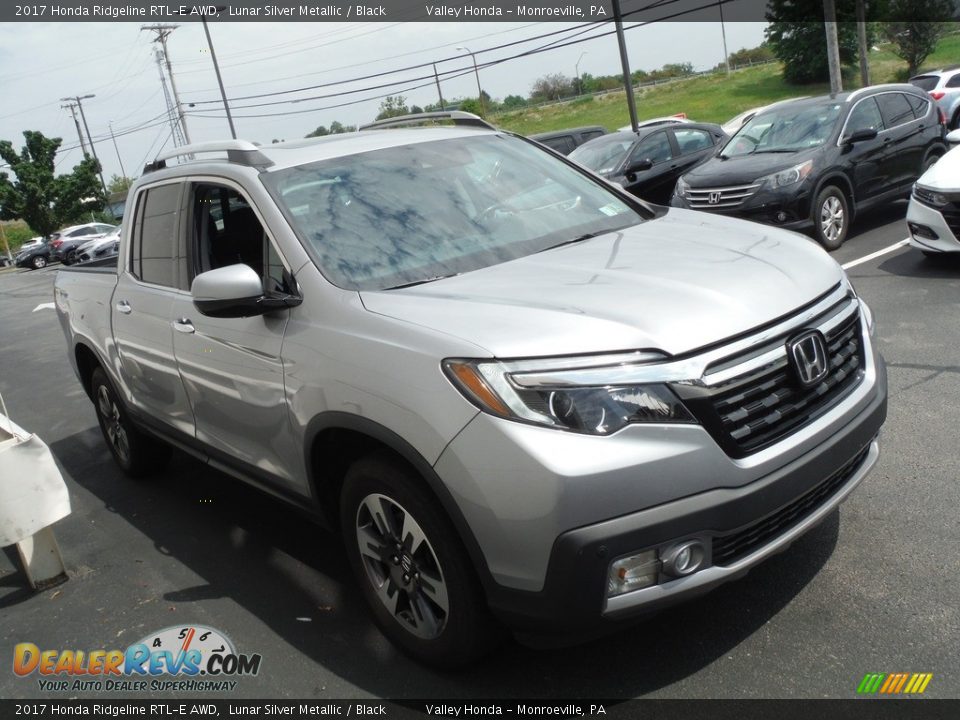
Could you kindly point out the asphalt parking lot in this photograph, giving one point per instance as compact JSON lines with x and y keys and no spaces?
{"x":873,"y":589}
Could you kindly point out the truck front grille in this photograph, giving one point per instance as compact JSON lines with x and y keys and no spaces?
{"x":755,"y":409}
{"x":727,"y":549}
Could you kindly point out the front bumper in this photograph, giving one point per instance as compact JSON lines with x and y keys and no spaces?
{"x":573,"y":595}
{"x":788,"y":207}
{"x":926,"y":219}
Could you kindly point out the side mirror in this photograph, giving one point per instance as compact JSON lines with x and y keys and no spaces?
{"x":953,"y":137}
{"x":235,"y":291}
{"x":640,"y":166}
{"x":860,"y":136}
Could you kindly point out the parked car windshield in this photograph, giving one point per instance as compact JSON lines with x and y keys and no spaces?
{"x":785,"y":129}
{"x":418,"y":212}
{"x":604,"y":154}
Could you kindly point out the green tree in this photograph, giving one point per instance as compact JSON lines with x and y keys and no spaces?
{"x":44,"y":200}
{"x":913,"y":41}
{"x":336,"y":128}
{"x":319,"y":132}
{"x":797,"y":37}
{"x":393,"y":106}
{"x":551,"y":87}
{"x":512,"y":102}
{"x":121,"y":184}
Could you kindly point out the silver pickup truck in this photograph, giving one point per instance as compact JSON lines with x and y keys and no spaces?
{"x":525,"y":398}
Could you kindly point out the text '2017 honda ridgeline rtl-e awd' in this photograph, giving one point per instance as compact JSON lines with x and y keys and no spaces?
{"x":526,"y":398}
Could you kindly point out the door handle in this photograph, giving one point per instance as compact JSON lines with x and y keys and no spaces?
{"x":124,"y":307}
{"x":887,"y":140}
{"x":184,"y":325}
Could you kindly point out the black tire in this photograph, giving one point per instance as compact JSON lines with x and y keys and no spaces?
{"x":38,"y":262}
{"x":955,"y":120}
{"x":380,"y":500}
{"x":929,"y":162}
{"x":70,"y":258}
{"x":831,"y":217}
{"x":137,"y":454}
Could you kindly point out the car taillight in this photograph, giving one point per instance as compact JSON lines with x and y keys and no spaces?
{"x":57,"y":243}
{"x":937,"y":94}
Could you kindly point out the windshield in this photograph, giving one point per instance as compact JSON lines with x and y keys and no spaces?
{"x":784,"y":130}
{"x":603,"y":155}
{"x":418,"y":212}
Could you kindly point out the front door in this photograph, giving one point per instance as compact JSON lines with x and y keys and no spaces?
{"x":232,"y":367}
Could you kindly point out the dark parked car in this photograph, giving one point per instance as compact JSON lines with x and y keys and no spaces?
{"x":35,"y":256}
{"x":814,"y":164}
{"x":647,"y":163}
{"x":566,"y":141}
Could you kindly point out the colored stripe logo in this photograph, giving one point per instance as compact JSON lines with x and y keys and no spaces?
{"x":894,"y":683}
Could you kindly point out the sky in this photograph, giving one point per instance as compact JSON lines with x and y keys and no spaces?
{"x":40,"y":63}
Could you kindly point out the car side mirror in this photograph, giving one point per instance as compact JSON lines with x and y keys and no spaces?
{"x":953,"y":137}
{"x":640,"y":166}
{"x":860,"y":136}
{"x":236,"y":291}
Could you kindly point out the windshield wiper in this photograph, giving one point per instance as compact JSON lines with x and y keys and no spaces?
{"x":774,"y":150}
{"x":421,"y":282}
{"x":579,"y":238}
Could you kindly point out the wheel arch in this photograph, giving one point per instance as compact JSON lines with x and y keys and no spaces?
{"x":841,"y":181}
{"x":87,"y":361}
{"x":334,"y":440}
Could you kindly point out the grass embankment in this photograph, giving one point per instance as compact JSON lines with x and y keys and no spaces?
{"x":709,"y":98}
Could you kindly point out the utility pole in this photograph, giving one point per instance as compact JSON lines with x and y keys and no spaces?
{"x":625,"y":64}
{"x":123,"y":173}
{"x":723,"y":34}
{"x":163,"y":32}
{"x":862,"y":42}
{"x":73,"y":111}
{"x":93,"y":151}
{"x":833,"y":46}
{"x":216,"y":68}
{"x":576,"y":71}
{"x":437,"y":78}
{"x":483,"y":109}
{"x":175,"y":133}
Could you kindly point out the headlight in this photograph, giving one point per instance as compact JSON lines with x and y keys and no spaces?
{"x":788,"y":176}
{"x":929,"y":197}
{"x":547,"y":392}
{"x":681,"y":189}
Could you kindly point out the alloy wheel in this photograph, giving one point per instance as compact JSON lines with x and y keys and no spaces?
{"x":832,"y":218}
{"x":402,"y":566}
{"x":113,"y":424}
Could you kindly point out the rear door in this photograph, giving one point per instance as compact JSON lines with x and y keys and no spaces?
{"x":693,"y":147}
{"x":903,"y":138}
{"x":232,"y":367}
{"x":143,"y":306}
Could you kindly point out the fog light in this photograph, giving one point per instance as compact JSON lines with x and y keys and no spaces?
{"x":683,"y":559}
{"x":922,"y":231}
{"x":633,"y":573}
{"x":781,"y":216}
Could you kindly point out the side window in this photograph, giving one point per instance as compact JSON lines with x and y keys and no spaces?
{"x":154,"y":237}
{"x":919,"y":105}
{"x":895,"y":109}
{"x":226,"y":231}
{"x":690,"y":140}
{"x":562,"y":144}
{"x":591,"y":134}
{"x":656,"y":147}
{"x":954,"y":81}
{"x":865,"y":115}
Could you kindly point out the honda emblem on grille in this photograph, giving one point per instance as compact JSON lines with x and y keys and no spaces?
{"x":714,"y":197}
{"x":807,"y":354}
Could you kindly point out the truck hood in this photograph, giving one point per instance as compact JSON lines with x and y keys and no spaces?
{"x":743,"y":169}
{"x":677,"y":283}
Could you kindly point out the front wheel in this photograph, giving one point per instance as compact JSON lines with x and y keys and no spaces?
{"x":412,"y":568}
{"x":39,"y":262}
{"x":70,"y":257}
{"x":831,"y":217}
{"x":136,"y":453}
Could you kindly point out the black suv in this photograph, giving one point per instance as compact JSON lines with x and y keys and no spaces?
{"x":815,"y":163}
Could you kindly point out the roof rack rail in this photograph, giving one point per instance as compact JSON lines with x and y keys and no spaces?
{"x":241,"y":152}
{"x":459,"y":117}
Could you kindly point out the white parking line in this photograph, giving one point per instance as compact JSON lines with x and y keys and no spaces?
{"x":43,"y":306}
{"x":878,"y":253}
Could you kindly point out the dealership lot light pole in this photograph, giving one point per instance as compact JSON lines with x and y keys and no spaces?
{"x":93,"y":151}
